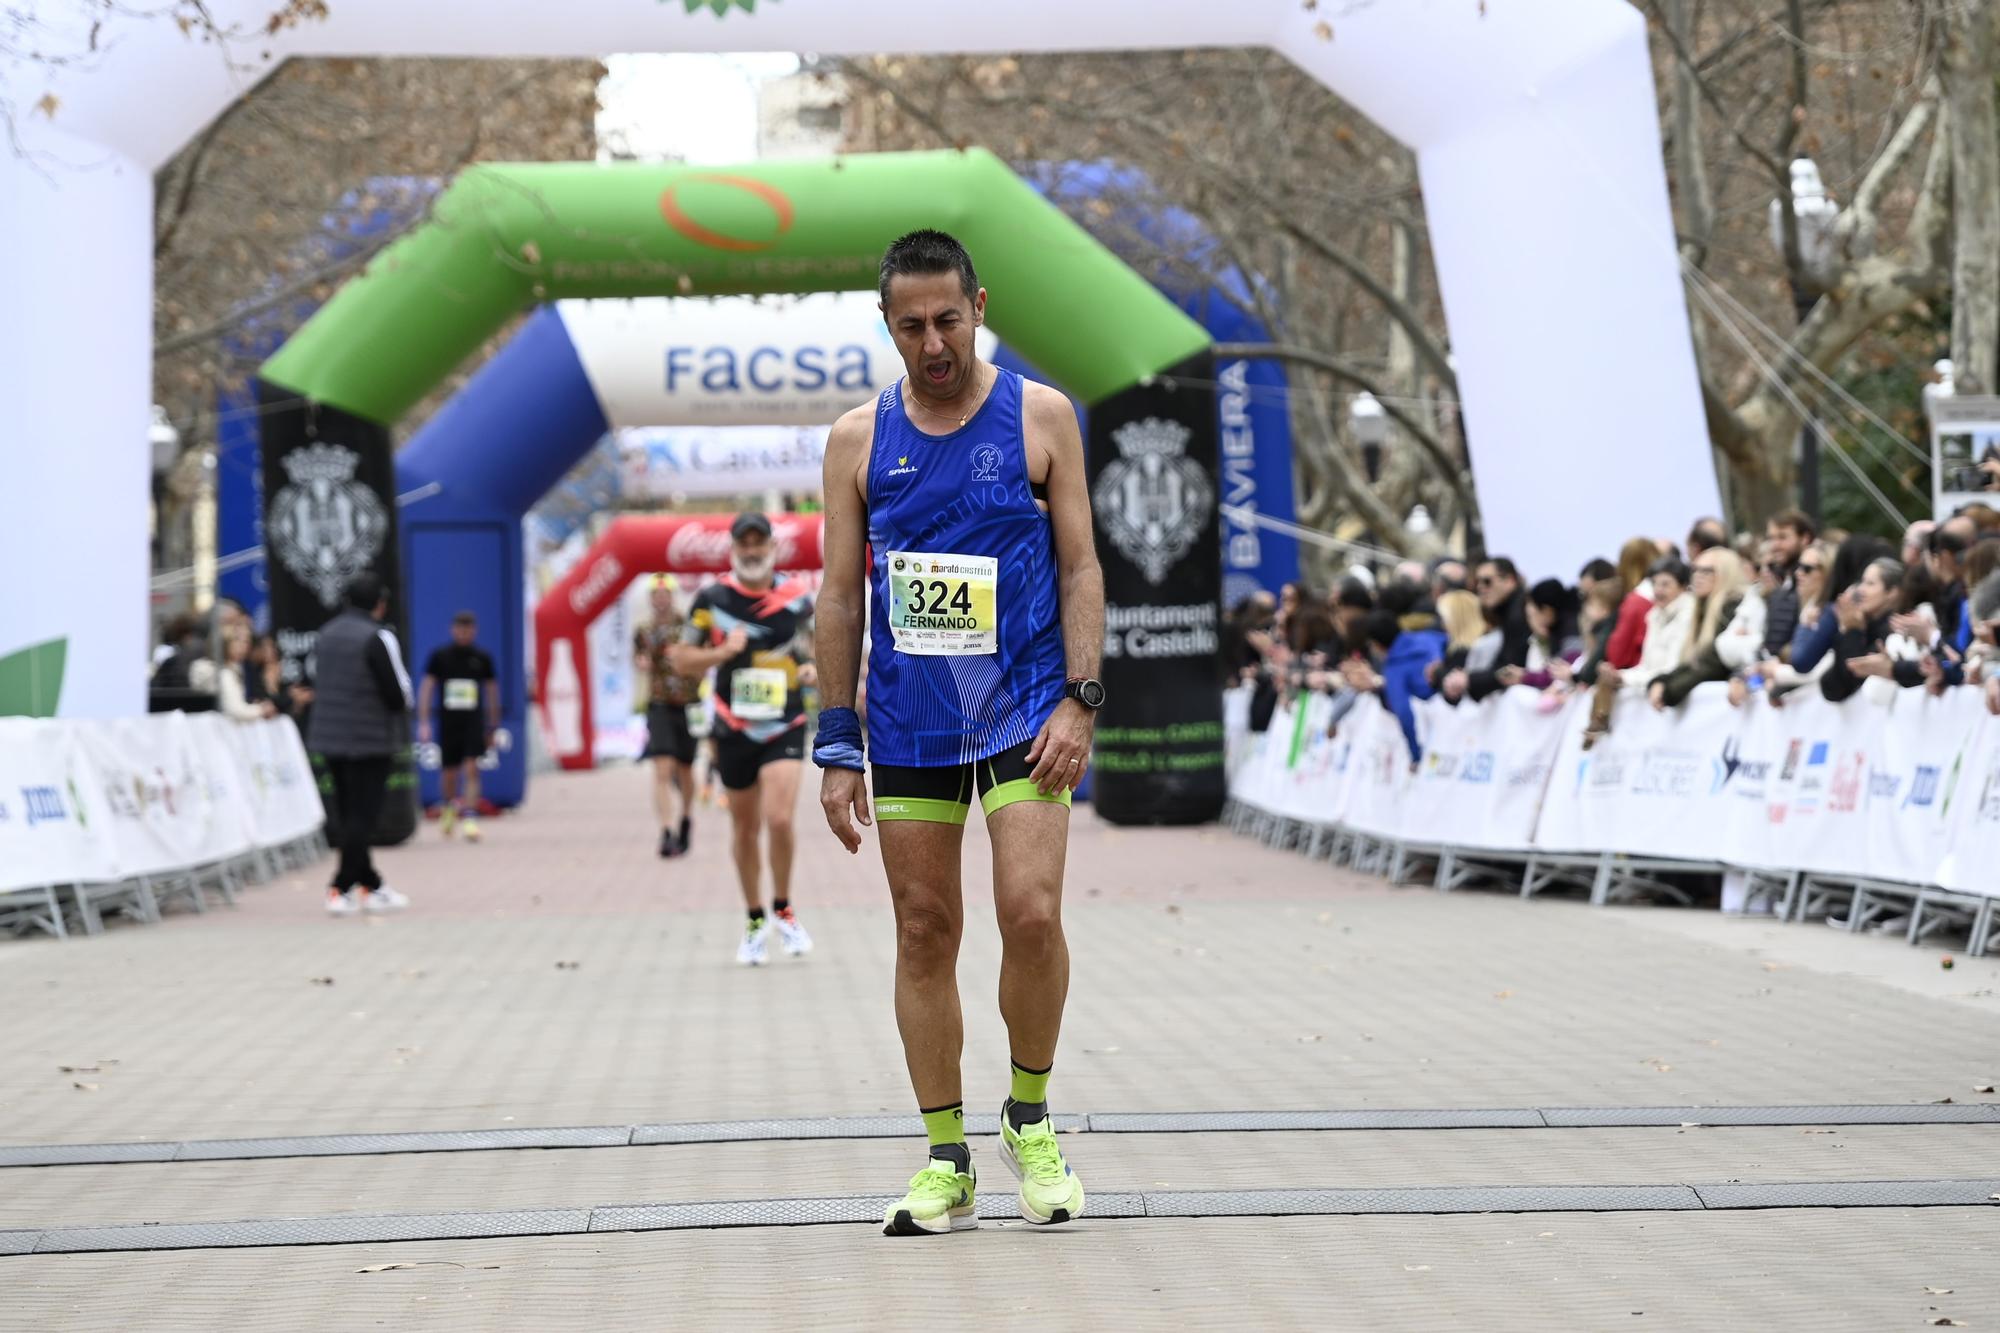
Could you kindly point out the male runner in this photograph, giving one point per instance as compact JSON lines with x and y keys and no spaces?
{"x":750,"y":632}
{"x":961,"y":494}
{"x":670,"y":738}
{"x":462,"y":673}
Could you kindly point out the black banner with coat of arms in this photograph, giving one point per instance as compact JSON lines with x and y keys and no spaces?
{"x":329,"y":517}
{"x":1153,"y":498}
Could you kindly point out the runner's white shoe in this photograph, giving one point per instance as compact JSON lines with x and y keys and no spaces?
{"x":340,"y":904}
{"x":469,"y":825}
{"x":751,"y":952}
{"x":792,"y":935}
{"x":384,"y":899}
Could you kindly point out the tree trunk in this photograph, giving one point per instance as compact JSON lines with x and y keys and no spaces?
{"x":1967,"y":72}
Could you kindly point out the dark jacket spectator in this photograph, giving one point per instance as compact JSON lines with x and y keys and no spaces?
{"x":1788,"y":534}
{"x":1511,"y":619}
{"x":361,"y":719}
{"x":1552,"y":635}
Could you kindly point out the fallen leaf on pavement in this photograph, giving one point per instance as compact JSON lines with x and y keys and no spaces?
{"x":77,"y":1069}
{"x":1416,"y":1268}
{"x":1938,"y":1291}
{"x":1311,"y":1037}
{"x":567,"y":965}
{"x":1943,"y":1322}
{"x":1503,"y":994}
{"x":1982,"y":1087}
{"x":320,"y":981}
{"x":84,"y":1087}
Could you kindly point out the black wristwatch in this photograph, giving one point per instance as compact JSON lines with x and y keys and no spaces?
{"x":1089,"y":693}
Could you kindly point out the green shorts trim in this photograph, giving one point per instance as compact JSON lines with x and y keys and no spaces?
{"x":923,"y":809}
{"x":943,"y":794}
{"x":1017,"y":791}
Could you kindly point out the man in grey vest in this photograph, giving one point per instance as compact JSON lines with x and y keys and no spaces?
{"x":360,"y":719}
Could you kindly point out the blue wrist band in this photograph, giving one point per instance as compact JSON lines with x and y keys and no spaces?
{"x":839,"y":742}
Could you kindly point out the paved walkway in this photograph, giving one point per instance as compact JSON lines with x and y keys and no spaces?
{"x":561,"y":976}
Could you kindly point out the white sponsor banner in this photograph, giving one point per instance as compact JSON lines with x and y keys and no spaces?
{"x":1918,"y":775}
{"x":149,"y":772}
{"x":1483,"y":772}
{"x":672,"y":462}
{"x":1971,"y":863}
{"x":88,"y":802}
{"x":1376,"y":777}
{"x":735,"y":361}
{"x":51,"y":822}
{"x":279,"y":789}
{"x":1895,"y":785}
{"x":1646,"y":786}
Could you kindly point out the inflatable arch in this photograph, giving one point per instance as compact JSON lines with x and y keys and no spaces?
{"x":1534,"y":126}
{"x":507,"y":236}
{"x":733,"y":362}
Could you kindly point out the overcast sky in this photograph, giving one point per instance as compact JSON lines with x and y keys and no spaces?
{"x":698,"y":108}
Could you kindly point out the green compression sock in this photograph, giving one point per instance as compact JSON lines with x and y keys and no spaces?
{"x":945,"y":1124}
{"x":1030,"y":1085}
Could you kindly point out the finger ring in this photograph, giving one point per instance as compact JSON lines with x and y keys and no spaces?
{"x":1072,"y":763}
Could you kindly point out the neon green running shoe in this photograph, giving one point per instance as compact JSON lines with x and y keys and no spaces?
{"x":1050,"y":1190}
{"x":939,"y":1201}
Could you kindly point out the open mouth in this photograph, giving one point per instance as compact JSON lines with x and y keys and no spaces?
{"x":937,"y":372}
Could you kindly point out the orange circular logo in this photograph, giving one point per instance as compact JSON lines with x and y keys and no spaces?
{"x":678,"y":219}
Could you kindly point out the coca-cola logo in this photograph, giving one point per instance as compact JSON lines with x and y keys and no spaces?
{"x":696,"y":546}
{"x":601,"y":578}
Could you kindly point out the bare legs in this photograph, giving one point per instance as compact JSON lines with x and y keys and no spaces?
{"x":769,"y":803}
{"x":922,"y":859}
{"x":669,"y":775}
{"x":1030,"y":842}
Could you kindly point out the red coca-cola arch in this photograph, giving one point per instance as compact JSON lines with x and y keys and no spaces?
{"x":630,"y":547}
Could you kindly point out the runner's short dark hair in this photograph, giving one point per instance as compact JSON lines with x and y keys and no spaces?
{"x":928,"y":251}
{"x":465,"y":618}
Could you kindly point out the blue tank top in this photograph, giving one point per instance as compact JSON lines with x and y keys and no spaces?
{"x":965,"y":494}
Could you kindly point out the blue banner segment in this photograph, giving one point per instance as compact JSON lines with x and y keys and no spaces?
{"x":468,"y":477}
{"x":1252,"y":395}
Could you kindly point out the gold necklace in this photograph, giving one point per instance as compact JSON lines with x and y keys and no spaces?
{"x":941,"y":416}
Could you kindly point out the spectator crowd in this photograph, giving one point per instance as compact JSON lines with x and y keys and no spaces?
{"x":1788,"y":609}
{"x":243,"y":681}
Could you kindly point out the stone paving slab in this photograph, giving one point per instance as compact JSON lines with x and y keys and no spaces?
{"x":1818,"y":1270}
{"x":446,"y":1182}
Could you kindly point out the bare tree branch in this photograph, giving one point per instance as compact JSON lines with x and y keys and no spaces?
{"x":1450,"y":470}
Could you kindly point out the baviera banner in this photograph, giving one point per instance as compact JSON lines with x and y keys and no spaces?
{"x":1152,"y":451}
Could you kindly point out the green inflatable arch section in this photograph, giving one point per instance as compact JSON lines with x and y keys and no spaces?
{"x":503,"y":238}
